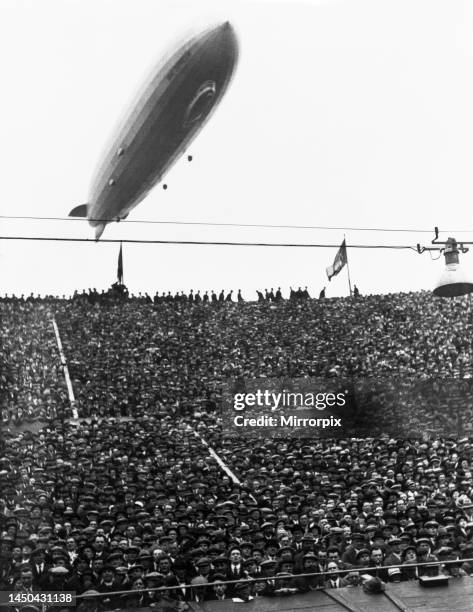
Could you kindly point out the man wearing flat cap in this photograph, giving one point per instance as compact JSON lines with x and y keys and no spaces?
{"x":219,"y":590}
{"x":424,"y":555}
{"x":55,"y":579}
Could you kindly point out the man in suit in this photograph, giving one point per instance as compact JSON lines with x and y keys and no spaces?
{"x":334,"y":581}
{"x":235,"y":570}
{"x":307,"y":545}
{"x":71,"y":547}
{"x":394,"y":552}
{"x":183,"y":574}
{"x":100,"y":545}
{"x":38,"y":566}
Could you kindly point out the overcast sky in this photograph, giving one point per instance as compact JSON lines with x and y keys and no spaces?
{"x":348,"y":113}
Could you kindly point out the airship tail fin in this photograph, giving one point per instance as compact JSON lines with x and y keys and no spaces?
{"x":79,"y":211}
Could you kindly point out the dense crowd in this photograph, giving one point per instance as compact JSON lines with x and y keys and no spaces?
{"x":127,"y":355}
{"x":130,"y":498}
{"x":120,"y":291}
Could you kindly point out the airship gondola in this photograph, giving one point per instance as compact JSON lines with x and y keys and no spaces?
{"x":179,"y":99}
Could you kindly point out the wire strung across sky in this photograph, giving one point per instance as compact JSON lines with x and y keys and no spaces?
{"x":210,"y":243}
{"x":221,"y":224}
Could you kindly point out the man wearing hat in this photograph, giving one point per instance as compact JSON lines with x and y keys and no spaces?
{"x":204,"y":568}
{"x":107,"y":584}
{"x":424,"y":556}
{"x":89,"y":601}
{"x":55,"y":579}
{"x":200,"y":589}
{"x":268,"y":569}
{"x":219,"y":590}
{"x":183,"y":573}
{"x":74,"y":582}
{"x":307,"y":545}
{"x":156,"y":598}
{"x":270,"y":549}
{"x":242,"y":592}
{"x":252,"y":567}
{"x":309,"y":583}
{"x":393,"y":557}
{"x":349,"y":556}
{"x":285,"y":585}
{"x":134,"y":599}
{"x":38,"y":566}
{"x":363,"y":557}
{"x":409,"y":558}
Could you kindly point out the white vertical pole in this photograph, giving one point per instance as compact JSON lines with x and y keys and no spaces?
{"x":70,"y":390}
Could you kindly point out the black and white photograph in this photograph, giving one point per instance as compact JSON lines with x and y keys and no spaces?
{"x":236,"y":321}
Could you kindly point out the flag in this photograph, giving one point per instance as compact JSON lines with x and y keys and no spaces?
{"x":339,"y":261}
{"x":120,"y":266}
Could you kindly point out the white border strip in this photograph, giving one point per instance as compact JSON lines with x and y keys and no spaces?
{"x":224,"y":467}
{"x":70,"y":390}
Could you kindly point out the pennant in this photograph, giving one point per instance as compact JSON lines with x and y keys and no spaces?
{"x":339,"y":261}
{"x":120,"y":266}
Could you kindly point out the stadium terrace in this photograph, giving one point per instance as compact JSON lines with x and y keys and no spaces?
{"x":144,"y":490}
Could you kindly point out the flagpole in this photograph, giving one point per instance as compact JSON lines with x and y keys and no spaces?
{"x":348,"y":267}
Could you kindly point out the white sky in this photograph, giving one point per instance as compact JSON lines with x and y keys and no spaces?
{"x":340,"y":113}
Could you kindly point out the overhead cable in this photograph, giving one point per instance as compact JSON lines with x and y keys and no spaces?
{"x":209,"y":242}
{"x":245,"y":225}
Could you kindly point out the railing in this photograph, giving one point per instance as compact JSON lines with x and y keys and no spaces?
{"x":326,"y":574}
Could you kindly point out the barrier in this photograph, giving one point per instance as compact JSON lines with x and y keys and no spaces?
{"x":328,"y":594}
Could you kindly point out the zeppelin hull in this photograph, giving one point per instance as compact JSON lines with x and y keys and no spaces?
{"x":172,"y":110}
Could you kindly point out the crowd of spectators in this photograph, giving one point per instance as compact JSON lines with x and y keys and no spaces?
{"x":129,"y":355}
{"x":129,"y":497}
{"x":118,"y":291}
{"x":31,"y":378}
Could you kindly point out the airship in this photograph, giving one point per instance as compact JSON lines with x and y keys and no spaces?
{"x":184,"y":90}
